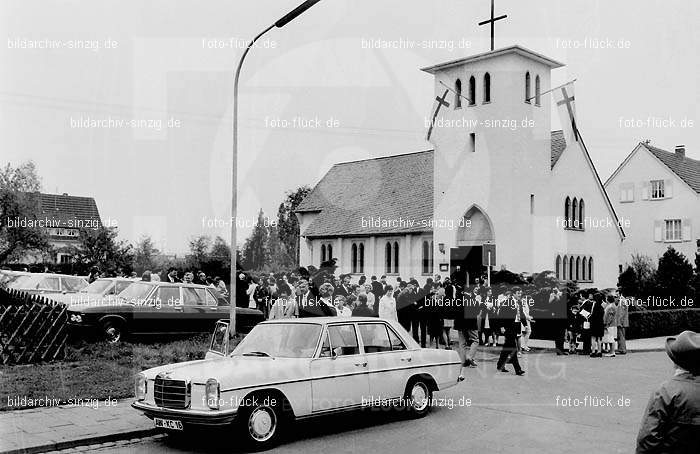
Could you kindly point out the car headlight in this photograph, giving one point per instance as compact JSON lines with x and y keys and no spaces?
{"x":77,"y":318}
{"x":211,"y":393}
{"x":141,"y":386}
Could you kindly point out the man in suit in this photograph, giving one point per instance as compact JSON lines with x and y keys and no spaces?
{"x":507,"y":312}
{"x":404,"y":306}
{"x":377,"y":291}
{"x":171,"y":276}
{"x":623,"y":322}
{"x":419,"y":321}
{"x":557,"y":310}
{"x":338,"y":288}
{"x":310,"y":306}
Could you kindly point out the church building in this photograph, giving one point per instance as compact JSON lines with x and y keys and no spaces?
{"x":498,"y":184}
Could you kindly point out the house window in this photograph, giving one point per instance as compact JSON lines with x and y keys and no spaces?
{"x":657,"y":189}
{"x":458,"y":94}
{"x":627,"y":192}
{"x":537,"y":90}
{"x":472,"y":91}
{"x":674,"y":231}
{"x":527,"y":87}
{"x":487,"y":87}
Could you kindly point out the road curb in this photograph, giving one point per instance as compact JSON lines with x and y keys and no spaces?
{"x":89,"y":440}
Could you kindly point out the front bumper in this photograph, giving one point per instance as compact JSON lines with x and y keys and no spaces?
{"x":193,"y":417}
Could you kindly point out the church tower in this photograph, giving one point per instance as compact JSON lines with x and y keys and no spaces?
{"x":492,"y":159}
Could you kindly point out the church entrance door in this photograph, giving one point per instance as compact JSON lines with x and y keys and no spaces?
{"x":465,"y":264}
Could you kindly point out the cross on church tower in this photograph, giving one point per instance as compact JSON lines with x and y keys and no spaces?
{"x":492,"y":21}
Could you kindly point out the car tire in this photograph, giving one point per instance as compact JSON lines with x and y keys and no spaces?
{"x":261,"y":425}
{"x":418,"y":397}
{"x":113,"y":331}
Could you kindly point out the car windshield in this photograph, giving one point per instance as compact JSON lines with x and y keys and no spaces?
{"x":284,"y":340}
{"x":99,"y":286}
{"x":136,"y":291}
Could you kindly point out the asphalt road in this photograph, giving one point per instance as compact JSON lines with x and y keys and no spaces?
{"x":489,"y":412}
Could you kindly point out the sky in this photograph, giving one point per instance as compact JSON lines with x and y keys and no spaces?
{"x":130,"y":101}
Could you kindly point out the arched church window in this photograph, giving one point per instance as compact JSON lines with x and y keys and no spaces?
{"x":426,"y":258}
{"x":354,"y":258}
{"x":581,"y":214}
{"x":590,"y":269}
{"x":458,"y":94}
{"x":557,"y":267}
{"x":565,"y":269}
{"x":567,"y":212}
{"x":329,"y":250}
{"x":537,"y":90}
{"x":396,"y":257}
{"x":578,"y":268}
{"x":527,"y":87}
{"x":387,"y":258}
{"x":472,"y":91}
{"x":572,"y":268}
{"x":361,"y":258}
{"x":323,"y":253}
{"x":584,"y":269}
{"x":487,"y":87}
{"x":574,"y":213}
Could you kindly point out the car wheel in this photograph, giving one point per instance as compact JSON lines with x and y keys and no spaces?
{"x":113,"y":331}
{"x":418,"y":397}
{"x":261,"y":424}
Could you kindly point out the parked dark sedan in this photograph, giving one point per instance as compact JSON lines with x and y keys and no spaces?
{"x":157,"y":308}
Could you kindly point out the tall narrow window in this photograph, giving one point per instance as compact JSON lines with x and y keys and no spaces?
{"x":426,"y":258}
{"x":432,"y":264}
{"x":574,"y":213}
{"x":581,"y":214}
{"x":396,"y":257}
{"x":472,"y":91}
{"x":537,"y":90}
{"x":584,"y":269}
{"x":387,"y":258}
{"x":572,"y":268}
{"x":329,"y":251}
{"x":323,"y":253}
{"x":567,"y":212}
{"x":532,"y":203}
{"x":590,"y":269}
{"x":564,"y":271}
{"x":527,"y":87}
{"x":354,"y":258}
{"x":458,"y":94}
{"x":472,"y":142}
{"x":578,"y":268}
{"x":557,"y":267}
{"x":487,"y":87}
{"x":361,"y":258}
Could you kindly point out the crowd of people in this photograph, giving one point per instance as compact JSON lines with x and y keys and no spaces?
{"x":198,"y":277}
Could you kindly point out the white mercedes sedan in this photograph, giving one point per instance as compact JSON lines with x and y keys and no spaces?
{"x":290,"y":369}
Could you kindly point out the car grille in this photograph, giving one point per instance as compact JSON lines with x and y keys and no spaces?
{"x":171,"y":393}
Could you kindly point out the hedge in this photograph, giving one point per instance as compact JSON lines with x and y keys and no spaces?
{"x":643,"y":324}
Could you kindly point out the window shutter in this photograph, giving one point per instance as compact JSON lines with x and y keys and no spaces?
{"x":646,"y":189}
{"x":668,"y":189}
{"x":687,"y":231}
{"x":658,"y":231}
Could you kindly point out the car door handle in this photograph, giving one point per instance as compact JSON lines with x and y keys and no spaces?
{"x":407,"y":359}
{"x":361,"y":364}
{"x":178,"y":308}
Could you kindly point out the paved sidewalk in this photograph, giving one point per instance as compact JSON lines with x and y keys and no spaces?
{"x":50,"y":428}
{"x":650,"y":344}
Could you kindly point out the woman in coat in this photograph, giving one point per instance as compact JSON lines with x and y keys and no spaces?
{"x":387,"y":305}
{"x":597,"y":327}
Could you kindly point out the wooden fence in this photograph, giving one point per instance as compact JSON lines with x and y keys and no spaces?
{"x":32,"y":328}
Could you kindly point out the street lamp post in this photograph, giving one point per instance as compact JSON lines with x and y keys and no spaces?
{"x":290,"y":16}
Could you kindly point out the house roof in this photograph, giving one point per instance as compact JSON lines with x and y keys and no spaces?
{"x":397,"y":188}
{"x":686,"y":168}
{"x":65,"y":208}
{"x":495,"y":53}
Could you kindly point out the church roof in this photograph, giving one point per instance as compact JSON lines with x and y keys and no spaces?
{"x":391,"y":188}
{"x":687,"y":169}
{"x":495,"y":53}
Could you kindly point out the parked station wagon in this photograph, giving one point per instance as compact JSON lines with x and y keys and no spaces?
{"x":157,"y":308}
{"x":48,"y":283}
{"x":291,"y":369}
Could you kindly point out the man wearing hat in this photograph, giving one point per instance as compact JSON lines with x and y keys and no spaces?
{"x":671,"y":422}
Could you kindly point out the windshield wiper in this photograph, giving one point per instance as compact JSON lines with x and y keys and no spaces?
{"x":257,"y":354}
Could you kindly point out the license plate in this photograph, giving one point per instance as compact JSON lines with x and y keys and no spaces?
{"x":168,"y":423}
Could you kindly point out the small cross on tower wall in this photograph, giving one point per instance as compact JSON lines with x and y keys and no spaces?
{"x":492,"y":21}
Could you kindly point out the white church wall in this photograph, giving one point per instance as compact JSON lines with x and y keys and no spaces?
{"x":684,"y":204}
{"x":600,"y":240}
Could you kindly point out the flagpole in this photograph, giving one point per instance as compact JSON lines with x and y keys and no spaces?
{"x":552,"y":89}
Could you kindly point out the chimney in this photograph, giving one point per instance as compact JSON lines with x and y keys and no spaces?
{"x":680,"y":150}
